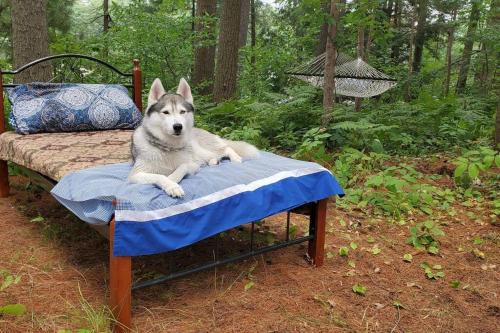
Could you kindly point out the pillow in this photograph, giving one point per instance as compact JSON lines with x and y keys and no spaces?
{"x":69,"y":107}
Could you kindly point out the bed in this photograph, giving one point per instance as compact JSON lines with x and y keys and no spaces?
{"x":86,"y":171}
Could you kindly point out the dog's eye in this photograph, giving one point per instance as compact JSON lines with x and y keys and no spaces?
{"x":183,"y":111}
{"x":166,"y":112}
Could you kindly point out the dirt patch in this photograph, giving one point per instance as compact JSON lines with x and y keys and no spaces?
{"x":63,"y":268}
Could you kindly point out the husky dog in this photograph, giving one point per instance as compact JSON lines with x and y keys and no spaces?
{"x":166,"y":146}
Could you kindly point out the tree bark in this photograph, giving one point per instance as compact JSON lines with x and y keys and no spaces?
{"x":396,"y":21}
{"x":106,"y":18}
{"x":361,"y":55}
{"x":422,"y":12}
{"x":329,"y":72}
{"x":253,"y":32}
{"x":204,"y":54}
{"x":488,"y":59}
{"x":410,"y":58}
{"x":323,"y":33}
{"x":227,"y":52}
{"x":468,"y":45}
{"x":449,"y":48}
{"x":244,"y":20}
{"x":497,"y":125}
{"x":30,"y":39}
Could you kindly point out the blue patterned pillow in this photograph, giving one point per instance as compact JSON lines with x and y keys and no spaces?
{"x":70,"y":107}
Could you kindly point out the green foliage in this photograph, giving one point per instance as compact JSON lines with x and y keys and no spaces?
{"x":313,"y":146}
{"x":474,"y":162}
{"x":359,"y":289}
{"x":8,"y":280}
{"x":432,"y":272}
{"x":423,"y":236}
{"x":397,"y":191}
{"x":343,"y":251}
{"x":13,"y":309}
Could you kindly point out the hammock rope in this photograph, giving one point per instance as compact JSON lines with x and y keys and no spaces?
{"x":353,"y":77}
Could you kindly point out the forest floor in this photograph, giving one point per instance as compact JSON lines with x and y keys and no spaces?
{"x":62,"y":264}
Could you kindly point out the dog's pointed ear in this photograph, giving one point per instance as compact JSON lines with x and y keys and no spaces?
{"x":155,"y":92}
{"x":185,"y":90}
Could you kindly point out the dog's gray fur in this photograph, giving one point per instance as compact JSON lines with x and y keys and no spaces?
{"x":163,"y":155}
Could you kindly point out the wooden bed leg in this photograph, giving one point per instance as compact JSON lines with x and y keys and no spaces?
{"x":4,"y":179}
{"x":317,"y":227}
{"x":120,"y":285}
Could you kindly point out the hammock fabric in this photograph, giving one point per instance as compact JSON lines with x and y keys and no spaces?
{"x":353,"y":77}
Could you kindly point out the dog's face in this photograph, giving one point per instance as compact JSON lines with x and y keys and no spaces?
{"x":172,"y":114}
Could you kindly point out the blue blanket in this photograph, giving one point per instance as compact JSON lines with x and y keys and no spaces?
{"x":216,"y":199}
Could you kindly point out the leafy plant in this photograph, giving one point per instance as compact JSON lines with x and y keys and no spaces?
{"x":359,"y":289}
{"x":423,"y":236}
{"x":313,"y":146}
{"x":7,"y":281}
{"x":472,"y":163}
{"x":343,"y":251}
{"x":431,"y":272}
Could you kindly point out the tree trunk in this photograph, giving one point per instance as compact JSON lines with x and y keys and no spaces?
{"x":227,"y":52}
{"x":329,"y":72}
{"x":449,"y":48}
{"x":487,"y":63}
{"x":323,"y":33}
{"x":105,"y":7}
{"x":468,"y":45}
{"x":497,"y":125}
{"x":410,"y":58}
{"x":253,"y":43}
{"x":361,"y":55}
{"x":422,"y":12}
{"x":253,"y":32}
{"x":30,"y":39}
{"x":204,"y":54}
{"x":395,"y":49}
{"x":245,"y":16}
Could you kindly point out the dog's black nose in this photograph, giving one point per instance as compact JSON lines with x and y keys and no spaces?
{"x":177,"y":128}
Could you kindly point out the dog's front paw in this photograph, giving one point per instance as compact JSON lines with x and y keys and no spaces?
{"x":213,"y":161}
{"x":174,"y":190}
{"x":236,"y":159}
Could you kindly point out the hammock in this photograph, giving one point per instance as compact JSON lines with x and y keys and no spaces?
{"x":353,"y":77}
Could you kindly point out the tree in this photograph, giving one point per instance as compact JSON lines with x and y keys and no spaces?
{"x":361,"y":55}
{"x":245,"y":16}
{"x":489,"y":38}
{"x":204,"y":54}
{"x":468,"y":45}
{"x":30,"y":38}
{"x":227,"y":52}
{"x":329,"y":72}
{"x":410,"y":57}
{"x":106,"y":16}
{"x":396,"y":23}
{"x":422,"y":12}
{"x":497,"y":125}
{"x":323,"y":33}
{"x":449,"y":47}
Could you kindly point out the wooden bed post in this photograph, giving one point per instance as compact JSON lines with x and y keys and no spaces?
{"x":4,"y":170}
{"x":137,"y":83}
{"x":317,"y":227}
{"x":120,"y":285}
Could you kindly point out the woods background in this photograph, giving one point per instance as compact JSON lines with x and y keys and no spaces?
{"x":444,"y":55}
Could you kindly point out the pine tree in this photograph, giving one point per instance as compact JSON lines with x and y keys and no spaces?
{"x":227,"y":52}
{"x":475,"y":14}
{"x":30,"y":38}
{"x":204,"y":54}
